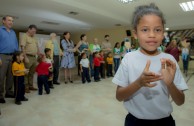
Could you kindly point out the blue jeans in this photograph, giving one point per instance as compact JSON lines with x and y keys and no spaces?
{"x":116,"y":64}
{"x":91,"y":64}
{"x":85,"y":75}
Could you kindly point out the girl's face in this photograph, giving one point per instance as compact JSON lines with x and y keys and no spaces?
{"x":20,"y":57}
{"x":118,"y":45}
{"x":97,"y":55}
{"x":101,"y":53}
{"x":84,"y":38}
{"x":48,"y":53}
{"x":67,"y":36}
{"x":110,"y":55}
{"x":150,"y":33}
{"x":95,"y":41}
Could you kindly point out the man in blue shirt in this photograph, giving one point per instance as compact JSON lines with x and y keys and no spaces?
{"x":8,"y":45}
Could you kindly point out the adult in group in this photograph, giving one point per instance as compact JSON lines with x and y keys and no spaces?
{"x":8,"y":45}
{"x":185,"y":54}
{"x":68,"y":60}
{"x":56,"y":52}
{"x":94,"y":47}
{"x":29,"y":45}
{"x":106,"y":47}
{"x":173,"y":49}
{"x":81,"y":47}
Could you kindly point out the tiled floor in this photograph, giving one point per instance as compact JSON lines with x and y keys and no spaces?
{"x":76,"y":104}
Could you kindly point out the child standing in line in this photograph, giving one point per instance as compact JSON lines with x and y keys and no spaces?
{"x":96,"y":66}
{"x":117,"y":56}
{"x":48,"y":59}
{"x":85,"y":68}
{"x":146,"y":77}
{"x":102,"y":64}
{"x":42,"y":70}
{"x":19,"y":71}
{"x":109,"y":60}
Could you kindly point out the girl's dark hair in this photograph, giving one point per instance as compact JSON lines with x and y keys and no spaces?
{"x":123,"y":43}
{"x":116,"y":44}
{"x":82,"y":35}
{"x":46,"y":50}
{"x":18,"y":53}
{"x":146,"y":10}
{"x":106,"y":36}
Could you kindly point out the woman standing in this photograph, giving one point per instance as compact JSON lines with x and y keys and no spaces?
{"x":81,"y":47}
{"x":173,"y":49}
{"x":117,"y":56}
{"x":68,"y":60}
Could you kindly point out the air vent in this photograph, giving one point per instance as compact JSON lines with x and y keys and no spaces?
{"x":73,"y":13}
{"x":117,"y":24}
{"x":50,"y":23}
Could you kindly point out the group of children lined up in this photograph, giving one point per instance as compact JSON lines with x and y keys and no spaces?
{"x":97,"y":66}
{"x":43,"y":69}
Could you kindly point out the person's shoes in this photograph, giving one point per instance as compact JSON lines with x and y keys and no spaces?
{"x":47,"y":92}
{"x":83,"y":82}
{"x":65,"y":82}
{"x":18,"y":102}
{"x":27,"y":90}
{"x":2,"y":100}
{"x":52,"y":87}
{"x":57,"y":83}
{"x":24,"y":99}
{"x":9,"y":96}
{"x":33,"y":88}
{"x":89,"y":81}
{"x":70,"y":80}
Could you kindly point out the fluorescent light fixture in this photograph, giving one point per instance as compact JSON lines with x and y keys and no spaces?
{"x":125,"y":1}
{"x":187,"y":6}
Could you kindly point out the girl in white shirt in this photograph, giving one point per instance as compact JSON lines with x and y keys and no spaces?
{"x":146,"y":77}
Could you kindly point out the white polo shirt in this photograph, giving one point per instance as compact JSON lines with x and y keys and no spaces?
{"x":147,"y":103}
{"x":84,"y":62}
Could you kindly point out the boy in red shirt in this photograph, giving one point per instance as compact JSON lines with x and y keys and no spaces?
{"x":96,"y":62}
{"x":43,"y":71}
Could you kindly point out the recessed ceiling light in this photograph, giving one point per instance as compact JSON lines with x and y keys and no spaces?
{"x":167,"y":29}
{"x":187,"y":6}
{"x":73,"y":13}
{"x":125,"y":1}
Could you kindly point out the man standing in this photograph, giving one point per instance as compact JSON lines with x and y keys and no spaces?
{"x":8,"y":45}
{"x":106,"y":47}
{"x":29,"y":45}
{"x":56,"y":52}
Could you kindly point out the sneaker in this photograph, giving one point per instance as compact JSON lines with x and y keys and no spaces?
{"x":18,"y":102}
{"x":57,"y":83}
{"x":24,"y":99}
{"x":2,"y":100}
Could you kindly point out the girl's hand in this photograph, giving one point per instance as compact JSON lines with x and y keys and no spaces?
{"x":147,"y":77}
{"x":26,"y":71}
{"x":168,"y":70}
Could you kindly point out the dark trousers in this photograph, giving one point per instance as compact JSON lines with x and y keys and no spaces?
{"x":6,"y":77}
{"x":96,"y":73}
{"x":79,"y":59}
{"x":91,"y":64}
{"x":19,"y":88}
{"x":109,"y":70}
{"x":116,"y":64}
{"x":43,"y":80}
{"x":102,"y":70}
{"x":85,"y":75}
{"x":131,"y":120}
{"x":55,"y":68}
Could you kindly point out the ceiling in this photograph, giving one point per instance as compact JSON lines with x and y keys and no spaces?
{"x":92,"y":14}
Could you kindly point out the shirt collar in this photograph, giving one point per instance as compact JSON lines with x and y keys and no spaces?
{"x":3,"y":27}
